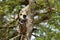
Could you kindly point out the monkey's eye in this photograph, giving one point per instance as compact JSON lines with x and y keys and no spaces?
{"x":20,"y":14}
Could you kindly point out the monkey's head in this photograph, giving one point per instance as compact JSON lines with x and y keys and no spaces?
{"x":23,"y":16}
{"x":24,"y":13}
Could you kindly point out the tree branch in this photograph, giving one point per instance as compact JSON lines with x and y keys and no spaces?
{"x":8,"y":24}
{"x":14,"y":37}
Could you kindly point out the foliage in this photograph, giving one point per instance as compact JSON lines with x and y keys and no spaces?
{"x":48,"y":23}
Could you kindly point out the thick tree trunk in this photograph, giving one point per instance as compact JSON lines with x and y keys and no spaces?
{"x":30,"y":10}
{"x":30,"y":19}
{"x":29,"y":24}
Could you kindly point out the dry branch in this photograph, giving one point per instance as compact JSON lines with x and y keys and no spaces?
{"x":14,"y":37}
{"x":8,"y":24}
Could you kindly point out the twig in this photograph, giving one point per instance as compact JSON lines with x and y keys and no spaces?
{"x":14,"y":37}
{"x":48,"y":4}
{"x":8,"y":24}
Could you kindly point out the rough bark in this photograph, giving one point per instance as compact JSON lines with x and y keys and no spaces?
{"x":30,"y":19}
{"x":29,"y":9}
{"x":29,"y":24}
